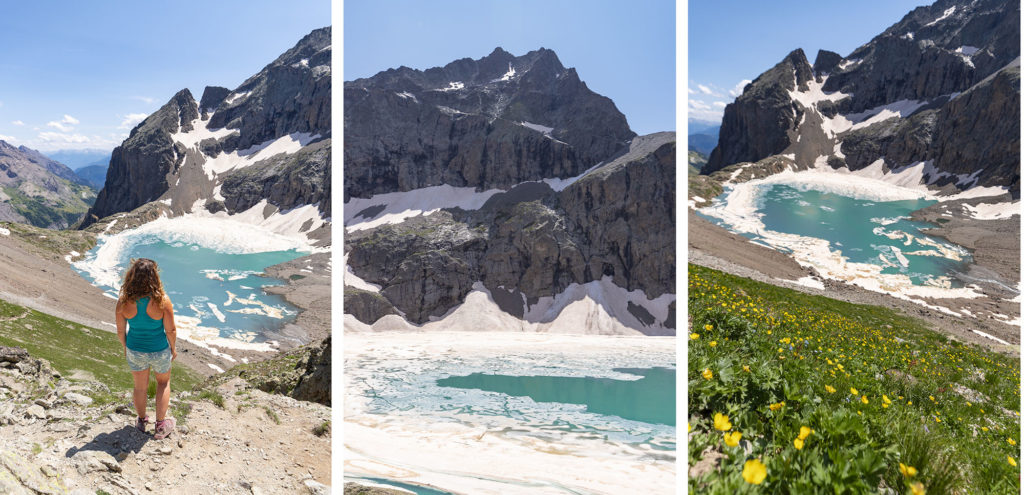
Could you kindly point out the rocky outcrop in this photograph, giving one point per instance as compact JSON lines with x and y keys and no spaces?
{"x":141,"y":168}
{"x":947,"y":74}
{"x":285,"y":181}
{"x":759,"y":122}
{"x":303,"y":373}
{"x":487,"y":123}
{"x":39,"y":191}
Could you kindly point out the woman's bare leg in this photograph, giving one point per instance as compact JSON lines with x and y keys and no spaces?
{"x":163,"y":394}
{"x":139,"y":393}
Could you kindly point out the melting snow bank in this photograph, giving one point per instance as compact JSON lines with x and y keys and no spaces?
{"x":596,"y":308}
{"x":400,"y":425}
{"x":993,"y":211}
{"x":741,"y":203}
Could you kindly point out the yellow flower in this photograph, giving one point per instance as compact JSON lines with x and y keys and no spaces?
{"x":932,"y":397}
{"x":1010,"y":441}
{"x":917,"y":488}
{"x":754,"y":472}
{"x":694,"y":336}
{"x":1011,"y":461}
{"x":709,"y":327}
{"x":908,"y":471}
{"x":688,"y":427}
{"x":886,"y":400}
{"x":830,"y":389}
{"x":798,"y":443}
{"x":864,"y":399}
{"x":853,"y":391}
{"x":984,"y":428}
{"x":746,"y":368}
{"x":707,"y":374}
{"x":732,"y":439}
{"x":713,"y":343}
{"x":776,"y":406}
{"x":804,"y":432}
{"x":722,"y":422}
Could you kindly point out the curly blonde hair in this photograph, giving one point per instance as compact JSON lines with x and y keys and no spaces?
{"x":140,"y":280}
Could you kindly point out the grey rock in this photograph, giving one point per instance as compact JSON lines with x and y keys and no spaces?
{"x":35,"y":411}
{"x":78,"y":399}
{"x":88,"y":461}
{"x":316,"y":488}
{"x":12,"y":354}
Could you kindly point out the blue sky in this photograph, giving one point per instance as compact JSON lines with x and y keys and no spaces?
{"x":622,"y":50}
{"x":79,"y":75}
{"x":732,"y":42}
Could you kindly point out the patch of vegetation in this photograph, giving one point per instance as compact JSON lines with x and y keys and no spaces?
{"x":296,"y":276}
{"x":51,"y":242}
{"x":180,"y":411}
{"x":695,"y":162}
{"x":37,"y":449}
{"x":322,"y":428}
{"x":703,"y":186}
{"x":214,"y":397}
{"x":805,"y":394}
{"x":272,"y":414}
{"x":70,"y":348}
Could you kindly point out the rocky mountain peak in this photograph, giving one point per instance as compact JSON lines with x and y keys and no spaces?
{"x":826,"y":62}
{"x":456,"y":117}
{"x":212,"y":98}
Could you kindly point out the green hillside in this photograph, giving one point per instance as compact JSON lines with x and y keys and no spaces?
{"x":832,"y":397}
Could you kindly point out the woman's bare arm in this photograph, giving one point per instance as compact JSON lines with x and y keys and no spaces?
{"x":122,"y":327}
{"x":169,"y":328}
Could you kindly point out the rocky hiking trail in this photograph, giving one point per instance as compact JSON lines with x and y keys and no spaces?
{"x":64,"y":435}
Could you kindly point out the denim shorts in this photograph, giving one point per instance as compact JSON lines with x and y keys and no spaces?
{"x":159,"y":362}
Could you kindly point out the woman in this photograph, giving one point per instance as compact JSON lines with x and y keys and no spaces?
{"x":145,"y":325}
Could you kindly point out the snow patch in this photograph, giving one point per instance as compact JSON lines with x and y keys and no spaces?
{"x":993,"y":211}
{"x":944,"y":15}
{"x":398,"y":206}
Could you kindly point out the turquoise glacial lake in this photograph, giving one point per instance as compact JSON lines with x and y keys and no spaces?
{"x":223,"y":291}
{"x":651,"y":399}
{"x":864,"y":231}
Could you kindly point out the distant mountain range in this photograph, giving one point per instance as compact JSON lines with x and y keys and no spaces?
{"x":37,"y":190}
{"x":76,"y":159}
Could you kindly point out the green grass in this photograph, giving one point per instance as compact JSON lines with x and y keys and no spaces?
{"x":272,"y":414}
{"x":71,"y":348}
{"x":782,"y":360}
{"x":43,"y":212}
{"x":214,"y":397}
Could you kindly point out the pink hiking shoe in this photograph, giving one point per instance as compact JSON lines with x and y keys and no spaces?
{"x":163,"y":429}
{"x":140,"y":424}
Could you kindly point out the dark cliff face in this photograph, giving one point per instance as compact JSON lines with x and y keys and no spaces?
{"x":529,"y":242}
{"x":140,"y":169}
{"x":757,"y":124}
{"x":958,"y":59}
{"x":289,"y":97}
{"x":463,"y":125}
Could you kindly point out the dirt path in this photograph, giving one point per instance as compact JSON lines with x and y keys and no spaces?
{"x":256,"y":443}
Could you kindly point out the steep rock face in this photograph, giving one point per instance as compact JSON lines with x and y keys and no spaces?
{"x":487,"y":123}
{"x":141,"y":167}
{"x":529,"y":242}
{"x":942,"y":85}
{"x":37,"y":190}
{"x":759,"y":122}
{"x":269,"y":139}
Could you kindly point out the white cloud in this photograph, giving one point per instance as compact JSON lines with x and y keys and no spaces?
{"x":131,"y":119}
{"x":738,"y":89}
{"x":9,"y":139}
{"x":65,"y":124}
{"x":704,"y":89}
{"x":702,"y":110}
{"x":62,"y":138}
{"x":719,"y":104}
{"x":691,"y":91}
{"x":18,"y":122}
{"x":699,"y":105}
{"x":145,"y":99}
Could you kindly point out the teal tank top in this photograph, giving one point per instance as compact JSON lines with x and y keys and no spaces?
{"x":144,"y":333}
